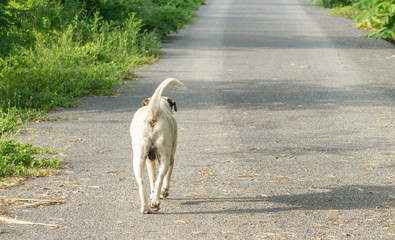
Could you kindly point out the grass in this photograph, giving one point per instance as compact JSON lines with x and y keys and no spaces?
{"x":22,"y":159}
{"x":18,"y":159}
{"x":345,"y":12}
{"x":12,"y":119}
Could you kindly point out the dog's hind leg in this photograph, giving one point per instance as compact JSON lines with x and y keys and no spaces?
{"x":166,"y":182}
{"x":163,"y":169}
{"x":152,"y":175}
{"x":139,"y":168}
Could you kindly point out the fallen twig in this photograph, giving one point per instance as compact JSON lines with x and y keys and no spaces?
{"x":16,"y":221}
{"x":10,"y":203}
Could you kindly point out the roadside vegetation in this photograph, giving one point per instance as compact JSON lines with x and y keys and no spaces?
{"x":54,"y":51}
{"x":376,"y":16}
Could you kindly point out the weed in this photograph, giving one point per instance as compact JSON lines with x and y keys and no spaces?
{"x":21,"y":159}
{"x":345,"y":12}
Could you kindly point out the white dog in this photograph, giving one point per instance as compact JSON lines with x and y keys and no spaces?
{"x":154,"y":136}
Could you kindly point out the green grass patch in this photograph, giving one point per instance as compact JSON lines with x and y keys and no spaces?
{"x":345,"y":12}
{"x":12,"y":119}
{"x":22,"y":159}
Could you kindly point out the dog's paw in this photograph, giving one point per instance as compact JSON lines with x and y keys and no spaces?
{"x":145,"y":211}
{"x":155,"y":206}
{"x":164,"y":193}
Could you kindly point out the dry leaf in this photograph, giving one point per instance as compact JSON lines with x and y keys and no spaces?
{"x":233,"y":232}
{"x":193,"y":195}
{"x":244,"y":176}
{"x":206,"y":173}
{"x":11,"y":182}
{"x":330,"y":178}
{"x":114,"y":172}
{"x":369,"y":164}
{"x":281,"y":177}
{"x":372,"y":192}
{"x":292,"y":182}
{"x":180,"y":221}
{"x":76,"y":140}
{"x":319,"y":190}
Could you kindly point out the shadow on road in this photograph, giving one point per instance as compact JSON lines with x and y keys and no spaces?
{"x":336,"y":198}
{"x":270,"y":95}
{"x":285,"y":95}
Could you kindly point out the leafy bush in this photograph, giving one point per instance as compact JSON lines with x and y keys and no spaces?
{"x":334,"y":3}
{"x":58,"y":71}
{"x":375,"y":15}
{"x":159,"y":16}
{"x":378,"y":15}
{"x":12,"y":31}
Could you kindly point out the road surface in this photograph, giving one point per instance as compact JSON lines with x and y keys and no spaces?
{"x":286,"y":131}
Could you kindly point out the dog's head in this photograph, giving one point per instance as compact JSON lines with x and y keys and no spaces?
{"x":171,"y":102}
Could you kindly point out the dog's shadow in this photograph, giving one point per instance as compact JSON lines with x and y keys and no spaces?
{"x":336,"y":198}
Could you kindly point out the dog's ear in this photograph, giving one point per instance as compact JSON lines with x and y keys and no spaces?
{"x":146,"y":101}
{"x":172,"y":103}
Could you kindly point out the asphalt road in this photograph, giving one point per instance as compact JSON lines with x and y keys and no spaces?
{"x":286,"y":132}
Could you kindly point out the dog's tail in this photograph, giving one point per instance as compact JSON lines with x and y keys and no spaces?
{"x":154,"y":104}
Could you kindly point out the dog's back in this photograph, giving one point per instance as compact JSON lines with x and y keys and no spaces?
{"x":153,"y":131}
{"x":154,"y":123}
